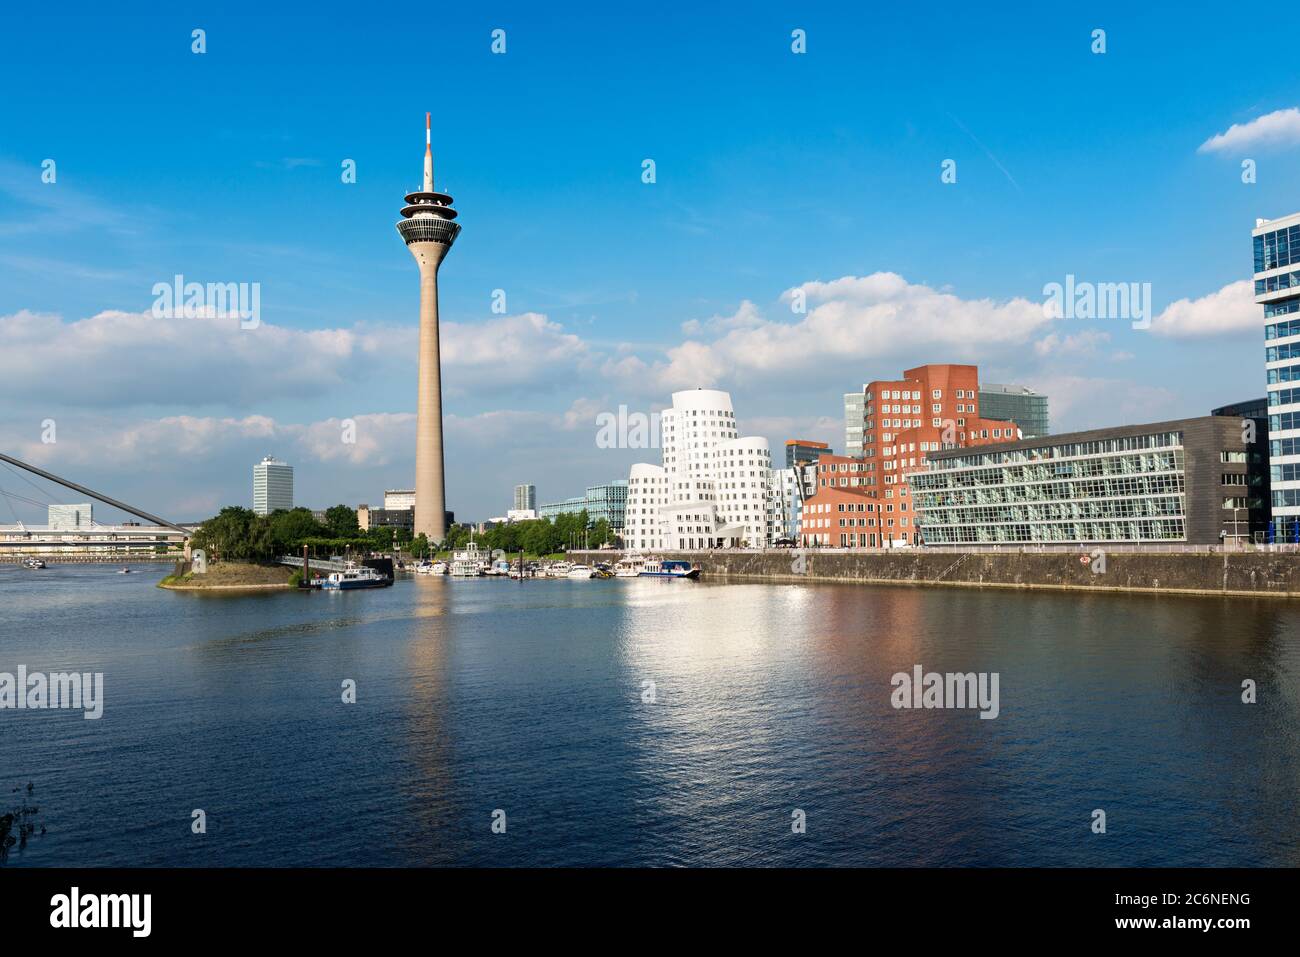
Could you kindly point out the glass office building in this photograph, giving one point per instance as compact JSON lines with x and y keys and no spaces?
{"x":1180,"y":481}
{"x":805,"y":452}
{"x":272,"y":486}
{"x":1277,"y":289}
{"x":608,"y":501}
{"x":1015,"y":403}
{"x":855,"y":409}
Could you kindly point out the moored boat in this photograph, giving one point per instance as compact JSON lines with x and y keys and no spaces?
{"x":629,"y":567}
{"x":668,"y":568}
{"x":469,"y":563}
{"x":355,"y":576}
{"x":579,"y":571}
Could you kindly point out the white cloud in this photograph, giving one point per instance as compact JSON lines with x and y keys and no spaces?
{"x":746,"y":316}
{"x":1079,"y":403}
{"x":1279,"y":128}
{"x":121,"y":359}
{"x":852,"y":322}
{"x":1085,"y":343}
{"x":511,"y":350}
{"x":1231,"y":310}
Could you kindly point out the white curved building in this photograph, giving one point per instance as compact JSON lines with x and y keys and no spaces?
{"x":713,"y":486}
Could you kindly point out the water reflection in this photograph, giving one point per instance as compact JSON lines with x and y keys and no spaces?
{"x":536,"y":698}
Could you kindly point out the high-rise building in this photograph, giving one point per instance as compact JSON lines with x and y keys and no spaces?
{"x":395,"y":498}
{"x":854,"y":414}
{"x":525,"y":498}
{"x":272,"y":486}
{"x":64,"y":517}
{"x":1015,"y":403}
{"x":428,"y":228}
{"x":804,"y":451}
{"x":713,"y":487}
{"x":901,"y":422}
{"x":1277,"y":288}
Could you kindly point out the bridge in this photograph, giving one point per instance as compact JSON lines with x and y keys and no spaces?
{"x":321,"y":563}
{"x":140,"y":534}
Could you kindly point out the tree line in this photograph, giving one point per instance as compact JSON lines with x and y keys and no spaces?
{"x":239,"y":534}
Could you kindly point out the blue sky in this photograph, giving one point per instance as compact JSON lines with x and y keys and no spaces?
{"x":774,"y":171}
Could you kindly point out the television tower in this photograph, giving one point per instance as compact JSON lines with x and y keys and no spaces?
{"x":428,"y":228}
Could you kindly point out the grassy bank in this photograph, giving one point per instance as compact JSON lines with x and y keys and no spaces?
{"x":234,"y":575}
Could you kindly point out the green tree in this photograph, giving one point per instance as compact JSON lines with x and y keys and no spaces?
{"x":341,"y":521}
{"x":227,"y":535}
{"x":289,"y":528}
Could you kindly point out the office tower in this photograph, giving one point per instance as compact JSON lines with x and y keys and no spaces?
{"x":1277,"y":289}
{"x":272,"y":486}
{"x":1015,"y":403}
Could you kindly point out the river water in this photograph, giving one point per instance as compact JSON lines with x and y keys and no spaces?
{"x":648,"y":723}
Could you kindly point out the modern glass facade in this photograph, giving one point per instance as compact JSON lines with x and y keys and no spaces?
{"x":1277,"y":288}
{"x":62,"y":517}
{"x":855,"y":408}
{"x":1113,"y":490}
{"x":1015,"y":403}
{"x":525,"y":498}
{"x":805,"y":452}
{"x":1183,"y":481}
{"x":607,"y":501}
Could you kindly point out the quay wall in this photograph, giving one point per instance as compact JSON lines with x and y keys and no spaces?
{"x":1244,"y":573}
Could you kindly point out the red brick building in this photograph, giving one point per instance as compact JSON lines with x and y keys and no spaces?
{"x":932,"y":407}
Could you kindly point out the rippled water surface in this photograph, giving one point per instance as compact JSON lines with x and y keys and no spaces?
{"x":530,"y":697}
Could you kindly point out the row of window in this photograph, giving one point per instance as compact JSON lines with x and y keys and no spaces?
{"x":1284,"y":396}
{"x":1142,"y":530}
{"x":931,"y":498}
{"x":1278,"y":248}
{"x":1284,"y":374}
{"x":1287,"y":280}
{"x":1141,"y":463}
{"x":1168,"y":505}
{"x":1290,"y":350}
{"x":1067,"y":451}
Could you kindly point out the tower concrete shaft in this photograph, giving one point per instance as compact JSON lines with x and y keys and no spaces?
{"x":429,"y":230}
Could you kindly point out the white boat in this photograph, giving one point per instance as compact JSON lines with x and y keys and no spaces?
{"x":558,"y":570}
{"x":469,"y":563}
{"x":580,"y":571}
{"x":33,"y":563}
{"x":668,"y":568}
{"x":431,"y":568}
{"x":629,"y":567}
{"x":499,"y":568}
{"x":355,"y":576}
